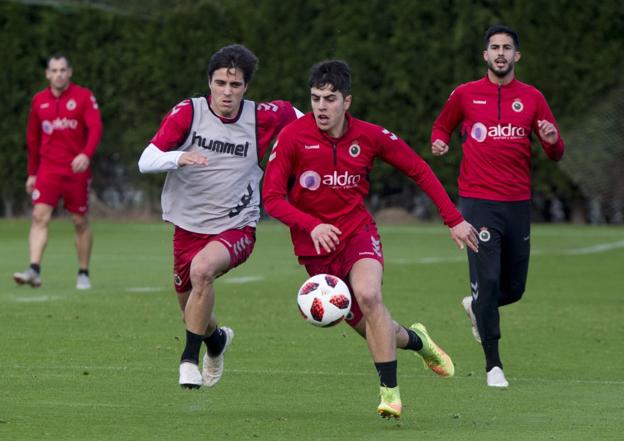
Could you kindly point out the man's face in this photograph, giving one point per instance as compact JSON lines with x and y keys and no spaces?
{"x":329,"y":108}
{"x":501,"y":55}
{"x":227,"y":88}
{"x":58,"y":74}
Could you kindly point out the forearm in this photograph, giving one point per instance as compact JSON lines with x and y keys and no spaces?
{"x":154,"y":160}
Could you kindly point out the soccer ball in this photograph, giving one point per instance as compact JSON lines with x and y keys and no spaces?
{"x":324,"y":300}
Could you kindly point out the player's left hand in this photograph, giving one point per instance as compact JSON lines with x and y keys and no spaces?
{"x":80,"y":163}
{"x":465,"y":234}
{"x":548,"y":132}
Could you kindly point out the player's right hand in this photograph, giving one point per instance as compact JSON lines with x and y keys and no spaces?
{"x":30,"y":184}
{"x":325,"y":235}
{"x":192,"y":158}
{"x":439,"y":147}
{"x":465,"y":234}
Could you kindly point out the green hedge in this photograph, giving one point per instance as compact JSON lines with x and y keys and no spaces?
{"x":407,"y":56}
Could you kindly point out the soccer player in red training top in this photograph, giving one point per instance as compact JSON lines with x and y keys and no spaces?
{"x":316,"y":182}
{"x":497,"y":114}
{"x":210,"y":148}
{"x":64,"y":129}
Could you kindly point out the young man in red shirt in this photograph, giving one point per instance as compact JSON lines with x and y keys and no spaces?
{"x":316,"y":181}
{"x":497,"y":115}
{"x":64,"y":129}
{"x":211,"y":147}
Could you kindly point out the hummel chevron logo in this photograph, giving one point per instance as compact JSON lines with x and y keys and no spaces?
{"x":390,"y":134}
{"x":474,"y":287}
{"x":268,"y":106}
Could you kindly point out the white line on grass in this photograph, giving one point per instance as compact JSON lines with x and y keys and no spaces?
{"x":593,"y":249}
{"x":142,"y":289}
{"x":35,"y":299}
{"x":243,"y":279}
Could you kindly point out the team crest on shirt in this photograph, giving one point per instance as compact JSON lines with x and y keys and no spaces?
{"x":354,"y":150}
{"x":484,"y":234}
{"x":517,"y":105}
{"x":177,"y":280}
{"x":35,"y":194}
{"x":71,"y":104}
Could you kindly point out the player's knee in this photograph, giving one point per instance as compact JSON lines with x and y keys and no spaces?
{"x":368,"y":298}
{"x":204,"y":272}
{"x":40,"y":218}
{"x":513,"y":294}
{"x":81,"y":223}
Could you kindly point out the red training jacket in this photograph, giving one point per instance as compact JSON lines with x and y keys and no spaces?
{"x":312,"y":178}
{"x":496,"y":125}
{"x":61,"y":128}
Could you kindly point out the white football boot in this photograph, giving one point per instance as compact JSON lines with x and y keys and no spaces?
{"x":496,"y":378}
{"x":83,"y":281}
{"x":212,"y":369}
{"x":467,"y":304}
{"x":190,"y":377}
{"x":29,"y":277}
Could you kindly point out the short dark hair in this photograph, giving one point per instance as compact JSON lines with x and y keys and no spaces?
{"x":335,"y":73}
{"x":57,"y":56}
{"x":500,"y":29}
{"x":234,"y":56}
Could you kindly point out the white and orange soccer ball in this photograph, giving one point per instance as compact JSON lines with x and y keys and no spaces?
{"x":324,"y":300}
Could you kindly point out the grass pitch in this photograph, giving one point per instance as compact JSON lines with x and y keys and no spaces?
{"x":102,"y":364}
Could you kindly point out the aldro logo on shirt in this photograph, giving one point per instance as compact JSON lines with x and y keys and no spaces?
{"x":217,"y":146}
{"x":312,"y":180}
{"x":58,"y":124}
{"x":480,"y":132}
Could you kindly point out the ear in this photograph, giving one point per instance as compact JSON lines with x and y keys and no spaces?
{"x":70,"y":72}
{"x":347,"y":102}
{"x":485,"y":55}
{"x":517,"y":57}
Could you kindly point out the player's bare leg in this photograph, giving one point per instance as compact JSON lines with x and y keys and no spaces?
{"x":37,"y":241}
{"x":83,"y":238}
{"x":365,"y":278}
{"x":201,"y":324}
{"x":38,"y":236}
{"x":402,"y":337}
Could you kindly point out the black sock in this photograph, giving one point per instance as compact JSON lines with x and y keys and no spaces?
{"x":492,"y":357}
{"x":191,"y":350}
{"x":215,"y":342}
{"x":35,"y":267}
{"x":414,"y":343}
{"x":84,"y":271}
{"x":387,"y":372}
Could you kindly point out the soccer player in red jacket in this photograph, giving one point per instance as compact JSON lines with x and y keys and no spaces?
{"x":316,"y":181}
{"x":497,"y":115}
{"x":64,"y":129}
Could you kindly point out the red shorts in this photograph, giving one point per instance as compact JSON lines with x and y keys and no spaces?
{"x":50,"y":186}
{"x":186,"y":245}
{"x":362,"y":244}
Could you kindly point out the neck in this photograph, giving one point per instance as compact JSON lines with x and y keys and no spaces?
{"x":57,"y":92}
{"x":501,"y":81}
{"x":339,"y":129}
